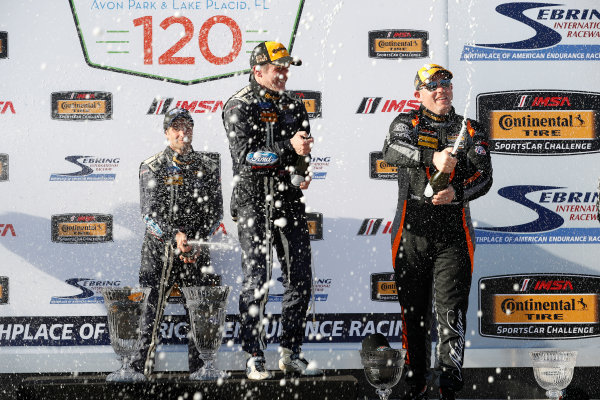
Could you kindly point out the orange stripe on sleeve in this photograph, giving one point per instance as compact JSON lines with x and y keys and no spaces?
{"x":469,"y":239}
{"x":398,"y":237}
{"x":470,"y":129}
{"x":472,"y":178}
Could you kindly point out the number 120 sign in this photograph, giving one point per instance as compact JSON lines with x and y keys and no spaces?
{"x":185,"y":42}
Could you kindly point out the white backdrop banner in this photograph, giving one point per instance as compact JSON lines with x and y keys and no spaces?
{"x":86,"y":86}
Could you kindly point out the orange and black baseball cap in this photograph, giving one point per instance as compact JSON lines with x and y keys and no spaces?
{"x":174,"y":114}
{"x":272,"y":53}
{"x":427,"y":72}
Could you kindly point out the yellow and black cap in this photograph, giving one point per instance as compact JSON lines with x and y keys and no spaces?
{"x":174,"y":114}
{"x":427,"y":72}
{"x":272,"y":53}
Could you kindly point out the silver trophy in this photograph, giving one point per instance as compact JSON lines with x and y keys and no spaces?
{"x":553,"y":370}
{"x":207,"y":306}
{"x":126,"y":310}
{"x":383,"y":369}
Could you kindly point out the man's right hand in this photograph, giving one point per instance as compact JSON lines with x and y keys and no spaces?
{"x":444,"y":160}
{"x":302,"y":143}
{"x":186,"y":255}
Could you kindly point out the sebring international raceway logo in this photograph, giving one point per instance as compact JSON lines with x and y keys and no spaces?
{"x":564,"y":216}
{"x":89,"y":291}
{"x":561,"y":33}
{"x":91,"y":168}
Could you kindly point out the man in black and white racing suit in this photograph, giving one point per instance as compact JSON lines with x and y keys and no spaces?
{"x":269,"y":135}
{"x":181,"y":200}
{"x":432,"y":235}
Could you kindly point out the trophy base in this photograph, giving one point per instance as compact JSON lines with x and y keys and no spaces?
{"x":208,"y":374}
{"x":124,"y":375}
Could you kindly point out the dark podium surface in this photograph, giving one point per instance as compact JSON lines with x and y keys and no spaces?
{"x":176,"y":386}
{"x":480,"y":383}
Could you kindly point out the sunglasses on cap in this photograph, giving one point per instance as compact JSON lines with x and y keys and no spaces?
{"x":182,"y":124}
{"x":431,"y":86}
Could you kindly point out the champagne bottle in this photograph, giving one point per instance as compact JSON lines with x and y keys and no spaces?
{"x":300,"y":170}
{"x":438,"y":182}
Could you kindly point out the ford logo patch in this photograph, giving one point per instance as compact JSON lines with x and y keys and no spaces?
{"x":262,"y":158}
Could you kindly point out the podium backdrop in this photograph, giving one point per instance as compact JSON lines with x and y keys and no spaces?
{"x":84,"y":88}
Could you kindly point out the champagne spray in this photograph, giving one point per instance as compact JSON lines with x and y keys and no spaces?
{"x":440,"y":180}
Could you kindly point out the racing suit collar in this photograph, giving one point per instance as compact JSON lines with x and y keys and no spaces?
{"x":177,"y":158}
{"x":262,"y":92}
{"x":436,"y":117}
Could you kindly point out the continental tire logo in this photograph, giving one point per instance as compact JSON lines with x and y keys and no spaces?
{"x":387,"y":288}
{"x":3,"y":167}
{"x":395,"y":44}
{"x":312,"y":102}
{"x":78,"y":106}
{"x":3,"y":44}
{"x":540,"y":306}
{"x":563,"y":308}
{"x":3,"y":289}
{"x":549,"y":124}
{"x":383,"y":287}
{"x":315,"y":225}
{"x":379,"y":169}
{"x":82,"y":228}
{"x":541,"y":122}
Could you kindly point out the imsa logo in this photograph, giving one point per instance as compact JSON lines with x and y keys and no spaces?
{"x":7,"y":230}
{"x":7,"y":106}
{"x":161,"y":106}
{"x":371,"y":226}
{"x":529,"y":284}
{"x":370,"y":105}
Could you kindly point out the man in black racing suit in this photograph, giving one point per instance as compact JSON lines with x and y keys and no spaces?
{"x":268,"y":133}
{"x":181,"y":200}
{"x":432,"y":237}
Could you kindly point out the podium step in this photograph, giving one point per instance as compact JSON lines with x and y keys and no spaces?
{"x":174,"y":386}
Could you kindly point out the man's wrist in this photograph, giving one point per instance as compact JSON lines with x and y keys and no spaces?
{"x":427,"y":157}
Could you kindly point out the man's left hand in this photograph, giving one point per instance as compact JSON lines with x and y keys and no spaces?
{"x":302,"y":143}
{"x":304,"y":185}
{"x":443,"y":197}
